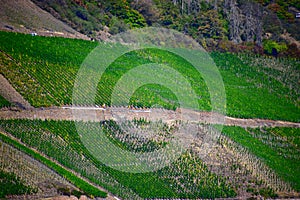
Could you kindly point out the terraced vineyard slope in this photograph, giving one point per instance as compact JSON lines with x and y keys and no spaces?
{"x":255,"y":155}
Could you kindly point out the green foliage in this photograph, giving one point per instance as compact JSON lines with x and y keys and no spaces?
{"x":170,"y":15}
{"x":211,"y":25}
{"x":157,"y":95}
{"x":122,"y":10}
{"x":117,"y":26}
{"x":190,"y":165}
{"x":151,"y":94}
{"x":90,"y":16}
{"x":77,"y":15}
{"x":46,"y":50}
{"x":39,"y":60}
{"x":281,"y":12}
{"x":271,"y":46}
{"x":4,"y":102}
{"x":253,"y":92}
{"x":276,"y":147}
{"x":268,"y":193}
{"x":198,"y":21}
{"x":82,"y":13}
{"x":285,"y":70}
{"x":12,"y":185}
{"x":134,"y":19}
{"x":148,"y":9}
{"x":195,"y":18}
{"x":265,"y":192}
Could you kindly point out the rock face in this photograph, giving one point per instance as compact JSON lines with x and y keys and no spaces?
{"x":245,"y":21}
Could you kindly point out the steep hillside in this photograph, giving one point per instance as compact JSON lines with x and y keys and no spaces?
{"x":25,"y":16}
{"x":47,"y":150}
{"x":260,"y":26}
{"x":245,"y":162}
{"x":225,"y":25}
{"x":253,"y":89}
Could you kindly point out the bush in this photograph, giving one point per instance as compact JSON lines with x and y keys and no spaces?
{"x":135,"y":19}
{"x":273,"y":48}
{"x":117,"y":26}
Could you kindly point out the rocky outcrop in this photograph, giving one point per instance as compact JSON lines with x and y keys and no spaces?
{"x":245,"y":21}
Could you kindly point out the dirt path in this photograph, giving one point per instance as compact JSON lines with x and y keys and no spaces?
{"x":9,"y":93}
{"x":117,"y":113}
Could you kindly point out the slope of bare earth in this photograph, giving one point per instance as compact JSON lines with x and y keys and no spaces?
{"x":24,"y":16}
{"x":10,"y":94}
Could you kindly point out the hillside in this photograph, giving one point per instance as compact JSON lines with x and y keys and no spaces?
{"x":24,"y":16}
{"x":253,"y":157}
{"x":149,"y":114}
{"x":54,"y":68}
{"x":226,"y":25}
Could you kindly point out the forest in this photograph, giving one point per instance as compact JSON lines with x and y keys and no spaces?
{"x":259,"y":26}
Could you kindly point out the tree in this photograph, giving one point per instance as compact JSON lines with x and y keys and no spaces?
{"x":148,"y":9}
{"x":211,"y":25}
{"x":188,"y":6}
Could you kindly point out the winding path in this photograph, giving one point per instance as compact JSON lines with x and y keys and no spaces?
{"x":97,"y":114}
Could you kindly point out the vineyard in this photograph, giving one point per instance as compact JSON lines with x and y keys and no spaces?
{"x":187,"y":177}
{"x":60,"y":141}
{"x":277,"y":147}
{"x":243,"y":162}
{"x":32,"y":173}
{"x":81,"y":184}
{"x":44,"y":69}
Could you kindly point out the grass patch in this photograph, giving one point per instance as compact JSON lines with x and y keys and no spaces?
{"x":4,"y":102}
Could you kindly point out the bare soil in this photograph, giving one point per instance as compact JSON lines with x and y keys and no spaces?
{"x":10,"y":94}
{"x":26,"y":17}
{"x":97,"y":115}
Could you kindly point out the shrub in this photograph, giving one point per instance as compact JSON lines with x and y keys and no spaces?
{"x":273,"y":48}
